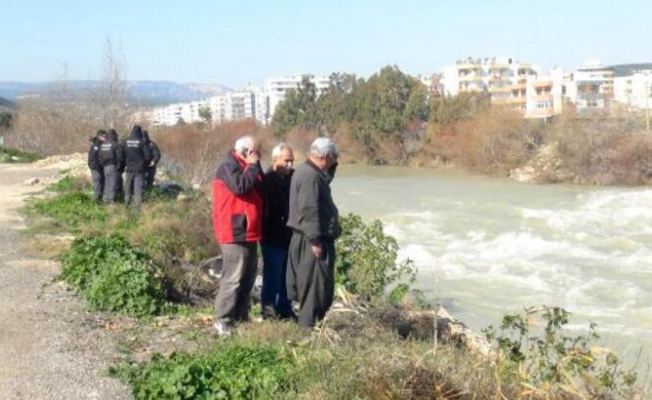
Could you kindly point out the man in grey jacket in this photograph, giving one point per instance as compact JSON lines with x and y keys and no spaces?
{"x":314,"y":219}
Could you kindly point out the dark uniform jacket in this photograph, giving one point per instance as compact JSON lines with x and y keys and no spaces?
{"x":276,"y":192}
{"x":312,"y":211}
{"x":237,"y":203}
{"x":136,"y":150}
{"x":93,"y":154}
{"x":110,"y":153}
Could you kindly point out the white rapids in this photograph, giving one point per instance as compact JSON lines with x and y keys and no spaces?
{"x":496,"y":246}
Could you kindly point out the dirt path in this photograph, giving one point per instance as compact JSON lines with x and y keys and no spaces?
{"x":49,"y":348}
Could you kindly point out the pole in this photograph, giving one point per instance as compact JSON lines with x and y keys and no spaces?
{"x":647,"y":109}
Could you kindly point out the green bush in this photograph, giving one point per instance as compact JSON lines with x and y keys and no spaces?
{"x":366,"y":259}
{"x":72,"y":210}
{"x":14,"y":156}
{"x":540,"y":355}
{"x":230,"y":371}
{"x":113,"y":276}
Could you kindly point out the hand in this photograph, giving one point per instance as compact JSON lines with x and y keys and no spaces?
{"x":252,"y":157}
{"x":316,"y":250}
{"x":151,"y":164}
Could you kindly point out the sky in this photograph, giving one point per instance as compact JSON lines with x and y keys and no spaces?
{"x":239,"y":42}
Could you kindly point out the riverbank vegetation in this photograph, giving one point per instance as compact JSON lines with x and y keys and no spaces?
{"x":146,"y":277}
{"x":388,"y":118}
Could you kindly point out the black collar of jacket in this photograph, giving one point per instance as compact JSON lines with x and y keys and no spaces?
{"x":321,"y":172}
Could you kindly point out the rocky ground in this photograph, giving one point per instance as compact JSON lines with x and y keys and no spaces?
{"x":49,"y":347}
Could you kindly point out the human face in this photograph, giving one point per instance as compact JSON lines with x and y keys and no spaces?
{"x":331,"y":160}
{"x":283,"y":164}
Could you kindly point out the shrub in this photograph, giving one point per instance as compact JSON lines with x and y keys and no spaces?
{"x":113,"y":276}
{"x":229,"y":371}
{"x":366,"y":259}
{"x":550,"y":363}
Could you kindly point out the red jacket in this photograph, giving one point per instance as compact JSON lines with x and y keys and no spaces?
{"x":237,"y":203}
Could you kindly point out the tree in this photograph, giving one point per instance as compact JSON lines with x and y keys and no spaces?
{"x":298,"y":108}
{"x":417,"y":104}
{"x":113,"y":88}
{"x":206,"y":115}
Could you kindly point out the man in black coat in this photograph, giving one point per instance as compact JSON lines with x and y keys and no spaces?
{"x":137,"y":155}
{"x":97,"y":172}
{"x":276,"y":234}
{"x":314,"y":219}
{"x":120,"y":169}
{"x":110,"y":157}
{"x":150,"y":169}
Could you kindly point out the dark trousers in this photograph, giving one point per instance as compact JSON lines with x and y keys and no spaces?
{"x":97,"y":175}
{"x":239,"y":264}
{"x":150,"y":174}
{"x":274,"y":300}
{"x":310,"y":280}
{"x":110,"y":176}
{"x":134,"y":188}
{"x":119,"y":186}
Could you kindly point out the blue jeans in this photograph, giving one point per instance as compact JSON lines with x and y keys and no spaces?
{"x":274,"y":299}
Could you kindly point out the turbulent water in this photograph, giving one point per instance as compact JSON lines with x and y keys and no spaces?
{"x":486,"y":246}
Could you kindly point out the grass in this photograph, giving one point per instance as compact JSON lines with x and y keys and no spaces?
{"x":14,"y":156}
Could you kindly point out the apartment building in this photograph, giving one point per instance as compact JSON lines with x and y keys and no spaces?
{"x":544,"y":94}
{"x":591,"y":88}
{"x":635,"y":90}
{"x":276,"y":89}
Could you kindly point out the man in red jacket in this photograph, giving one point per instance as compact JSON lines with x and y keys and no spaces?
{"x":237,"y":216}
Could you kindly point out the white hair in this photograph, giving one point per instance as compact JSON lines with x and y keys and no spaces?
{"x":322,"y":147}
{"x":277,"y":151}
{"x":245,"y":142}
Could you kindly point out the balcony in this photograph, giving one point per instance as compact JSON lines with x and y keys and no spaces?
{"x":543,"y":97}
{"x":470,"y":78}
{"x":499,"y":89}
{"x":518,"y":86}
{"x":541,"y":112}
{"x":517,"y":100}
{"x":468,"y":66}
{"x":542,"y":84}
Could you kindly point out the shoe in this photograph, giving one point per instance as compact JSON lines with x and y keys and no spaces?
{"x":223,"y":328}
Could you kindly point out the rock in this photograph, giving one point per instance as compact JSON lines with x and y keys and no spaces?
{"x":545,"y":166}
{"x":450,"y":330}
{"x":31,"y":182}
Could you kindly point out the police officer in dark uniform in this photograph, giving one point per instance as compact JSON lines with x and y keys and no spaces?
{"x":97,"y":172}
{"x":137,"y":155}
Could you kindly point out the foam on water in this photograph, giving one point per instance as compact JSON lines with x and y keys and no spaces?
{"x":497,"y":247}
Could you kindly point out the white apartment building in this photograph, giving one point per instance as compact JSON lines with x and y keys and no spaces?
{"x":591,"y":88}
{"x":509,"y":82}
{"x":276,"y":88}
{"x":497,"y":75}
{"x":544,"y":94}
{"x":634,"y":90}
{"x":251,"y":102}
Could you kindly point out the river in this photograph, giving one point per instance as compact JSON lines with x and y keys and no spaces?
{"x":487,"y":246}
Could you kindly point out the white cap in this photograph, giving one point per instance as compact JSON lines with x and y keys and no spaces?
{"x":323,"y":146}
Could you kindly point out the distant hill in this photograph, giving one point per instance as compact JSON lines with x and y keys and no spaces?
{"x":627,"y":69}
{"x":140,"y":92}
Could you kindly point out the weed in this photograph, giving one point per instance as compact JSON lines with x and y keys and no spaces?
{"x":114,"y":276}
{"x":229,"y":371}
{"x":366,"y":262}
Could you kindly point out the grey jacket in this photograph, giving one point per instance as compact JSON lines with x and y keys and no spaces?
{"x":312,"y":211}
